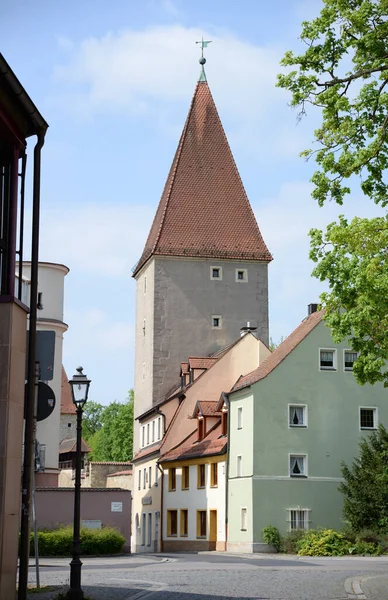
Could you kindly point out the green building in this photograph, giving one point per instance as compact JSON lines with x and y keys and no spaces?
{"x":292,"y":422}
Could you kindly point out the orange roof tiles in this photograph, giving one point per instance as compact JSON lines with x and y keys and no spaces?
{"x":202,"y":362}
{"x":67,"y":405}
{"x":119,"y":473}
{"x":184,"y":368}
{"x":214,"y":443}
{"x":281,"y":352}
{"x":70,"y":445}
{"x":204,"y":210}
{"x":207,"y":408}
{"x":146,"y":451}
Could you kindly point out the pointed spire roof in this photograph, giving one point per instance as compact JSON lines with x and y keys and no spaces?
{"x":204,"y":211}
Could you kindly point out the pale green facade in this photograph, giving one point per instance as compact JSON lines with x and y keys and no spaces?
{"x":264,"y":493}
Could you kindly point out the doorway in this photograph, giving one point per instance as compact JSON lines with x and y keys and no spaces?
{"x":213,"y":530}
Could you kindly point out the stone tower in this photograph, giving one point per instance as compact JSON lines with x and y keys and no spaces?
{"x":203,"y":271}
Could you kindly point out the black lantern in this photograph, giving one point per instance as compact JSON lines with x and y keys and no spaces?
{"x":79,"y":387}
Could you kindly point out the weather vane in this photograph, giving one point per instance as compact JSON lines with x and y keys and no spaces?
{"x":204,"y":44}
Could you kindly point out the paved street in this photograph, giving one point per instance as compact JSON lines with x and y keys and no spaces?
{"x":209,"y":575}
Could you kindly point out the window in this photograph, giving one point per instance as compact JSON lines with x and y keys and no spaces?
{"x":243,"y":519}
{"x":143,"y":436}
{"x":214,"y":474}
{"x":201,"y":523}
{"x":139,"y":482}
{"x":159,"y":427}
{"x":298,"y":465}
{"x":297,"y":415}
{"x":143,"y":529}
{"x":241,"y":275}
{"x":185,"y":478}
{"x":239,"y":466}
{"x":145,"y":478}
{"x":298,"y":519}
{"x":148,"y":433}
{"x":145,"y":285}
{"x":172,"y":480}
{"x":239,"y":417}
{"x":156,"y":475}
{"x":149,"y":529}
{"x":172,"y":522}
{"x":201,"y":480}
{"x":368,"y":418}
{"x":149,"y":476}
{"x":69,"y":424}
{"x":216,"y":273}
{"x":349,"y":358}
{"x":216,"y":321}
{"x":200,"y":428}
{"x":184,"y":522}
{"x":153,"y":431}
{"x":327,"y":360}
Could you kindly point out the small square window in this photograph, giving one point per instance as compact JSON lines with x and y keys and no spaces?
{"x":216,"y":273}
{"x":241,"y":275}
{"x":172,"y":479}
{"x":298,"y":519}
{"x":327,"y":360}
{"x":297,"y":416}
{"x":216,"y":321}
{"x":239,"y":417}
{"x":243,"y":519}
{"x":350,"y":358}
{"x":298,"y":465}
{"x":368,"y":418}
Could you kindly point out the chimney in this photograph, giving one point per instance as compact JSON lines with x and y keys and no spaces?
{"x":248,"y":327}
{"x":312,"y":308}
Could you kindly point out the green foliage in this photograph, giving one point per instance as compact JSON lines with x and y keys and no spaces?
{"x":289,"y":542}
{"x":92,"y":419}
{"x":113,"y":439}
{"x":59,"y":542}
{"x":273,"y":345}
{"x":323,"y":542}
{"x":365,"y":485}
{"x":353,"y":259}
{"x":344,"y":73}
{"x":271,"y":536}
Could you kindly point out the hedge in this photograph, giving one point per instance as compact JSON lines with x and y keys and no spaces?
{"x":59,"y":542}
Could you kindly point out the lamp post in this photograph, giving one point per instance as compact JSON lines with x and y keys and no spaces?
{"x":79,"y":389}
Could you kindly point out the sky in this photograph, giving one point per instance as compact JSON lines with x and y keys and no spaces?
{"x":115,"y":80}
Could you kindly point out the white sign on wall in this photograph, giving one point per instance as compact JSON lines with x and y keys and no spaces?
{"x":116,"y":507}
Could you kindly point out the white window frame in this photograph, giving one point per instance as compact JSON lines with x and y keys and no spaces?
{"x":305,"y":414}
{"x":220,"y":273}
{"x":143,"y":436}
{"x":149,"y":530}
{"x":156,"y":475}
{"x":375,"y":418}
{"x":153,"y":431}
{"x":159,"y":428}
{"x":244,"y":518}
{"x":143,"y":528}
{"x":298,"y":455}
{"x":307,"y":512}
{"x":239,"y":465}
{"x":220,"y":322}
{"x":145,"y":478}
{"x":245,"y":277}
{"x":239,"y":417}
{"x":348,"y":369}
{"x":139,"y":480}
{"x":335,"y":359}
{"x":148,"y":434}
{"x":149,"y":476}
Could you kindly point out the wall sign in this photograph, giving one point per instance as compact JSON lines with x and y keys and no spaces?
{"x":116,"y":507}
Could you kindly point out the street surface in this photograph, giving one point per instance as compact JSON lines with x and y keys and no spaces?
{"x":206,"y":576}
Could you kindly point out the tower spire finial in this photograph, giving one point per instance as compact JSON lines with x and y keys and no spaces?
{"x":202,"y":60}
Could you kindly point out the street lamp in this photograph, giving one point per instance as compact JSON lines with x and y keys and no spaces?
{"x":79,"y":390}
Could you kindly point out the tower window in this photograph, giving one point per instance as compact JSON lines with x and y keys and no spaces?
{"x":216,"y":273}
{"x":216,"y":321}
{"x":241,"y":275}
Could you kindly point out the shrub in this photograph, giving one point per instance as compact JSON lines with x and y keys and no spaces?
{"x":324,"y":542}
{"x":289,"y":542}
{"x":59,"y":542}
{"x":271,"y":536}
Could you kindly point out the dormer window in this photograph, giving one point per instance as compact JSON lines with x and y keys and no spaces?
{"x":200,"y":428}
{"x":224,"y":423}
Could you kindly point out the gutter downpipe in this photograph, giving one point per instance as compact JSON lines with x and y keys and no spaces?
{"x":29,"y":433}
{"x":226,"y":397}
{"x":161,"y":505}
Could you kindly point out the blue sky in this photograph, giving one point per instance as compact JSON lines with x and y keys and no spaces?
{"x":114,"y":80}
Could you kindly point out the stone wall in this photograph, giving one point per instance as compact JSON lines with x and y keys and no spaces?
{"x":124,"y":482}
{"x":68,"y":427}
{"x":99,"y":470}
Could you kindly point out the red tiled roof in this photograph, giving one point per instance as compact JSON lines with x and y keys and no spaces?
{"x":214,"y":443}
{"x":281,"y":352}
{"x":184,"y":368}
{"x":120,"y":473}
{"x":67,"y":405}
{"x":109,"y":462}
{"x":206,"y":408}
{"x":202,"y":362}
{"x":70,"y":445}
{"x":147,"y":451}
{"x":204,"y":210}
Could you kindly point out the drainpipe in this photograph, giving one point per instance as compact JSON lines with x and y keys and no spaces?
{"x":29,"y":433}
{"x":161,"y":506}
{"x":226,"y":397}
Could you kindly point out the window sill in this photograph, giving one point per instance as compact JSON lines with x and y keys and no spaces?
{"x":201,"y":537}
{"x":172,"y":535}
{"x":185,"y":489}
{"x":368,"y":428}
{"x":298,"y":476}
{"x":298,"y":426}
{"x":201,"y":487}
{"x":214,"y":486}
{"x":172,"y":490}
{"x":184,"y":535}
{"x":327,"y":369}
{"x":243,"y":529}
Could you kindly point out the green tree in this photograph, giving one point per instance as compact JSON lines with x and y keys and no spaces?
{"x":344,"y":73}
{"x":365,"y":486}
{"x":92,"y":419}
{"x":114,"y":439}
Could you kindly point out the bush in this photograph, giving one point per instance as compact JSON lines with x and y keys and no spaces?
{"x":59,"y":542}
{"x":271,"y":536}
{"x":289,"y":542}
{"x":324,"y":542}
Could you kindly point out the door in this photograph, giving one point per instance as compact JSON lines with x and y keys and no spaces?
{"x":213,"y":530}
